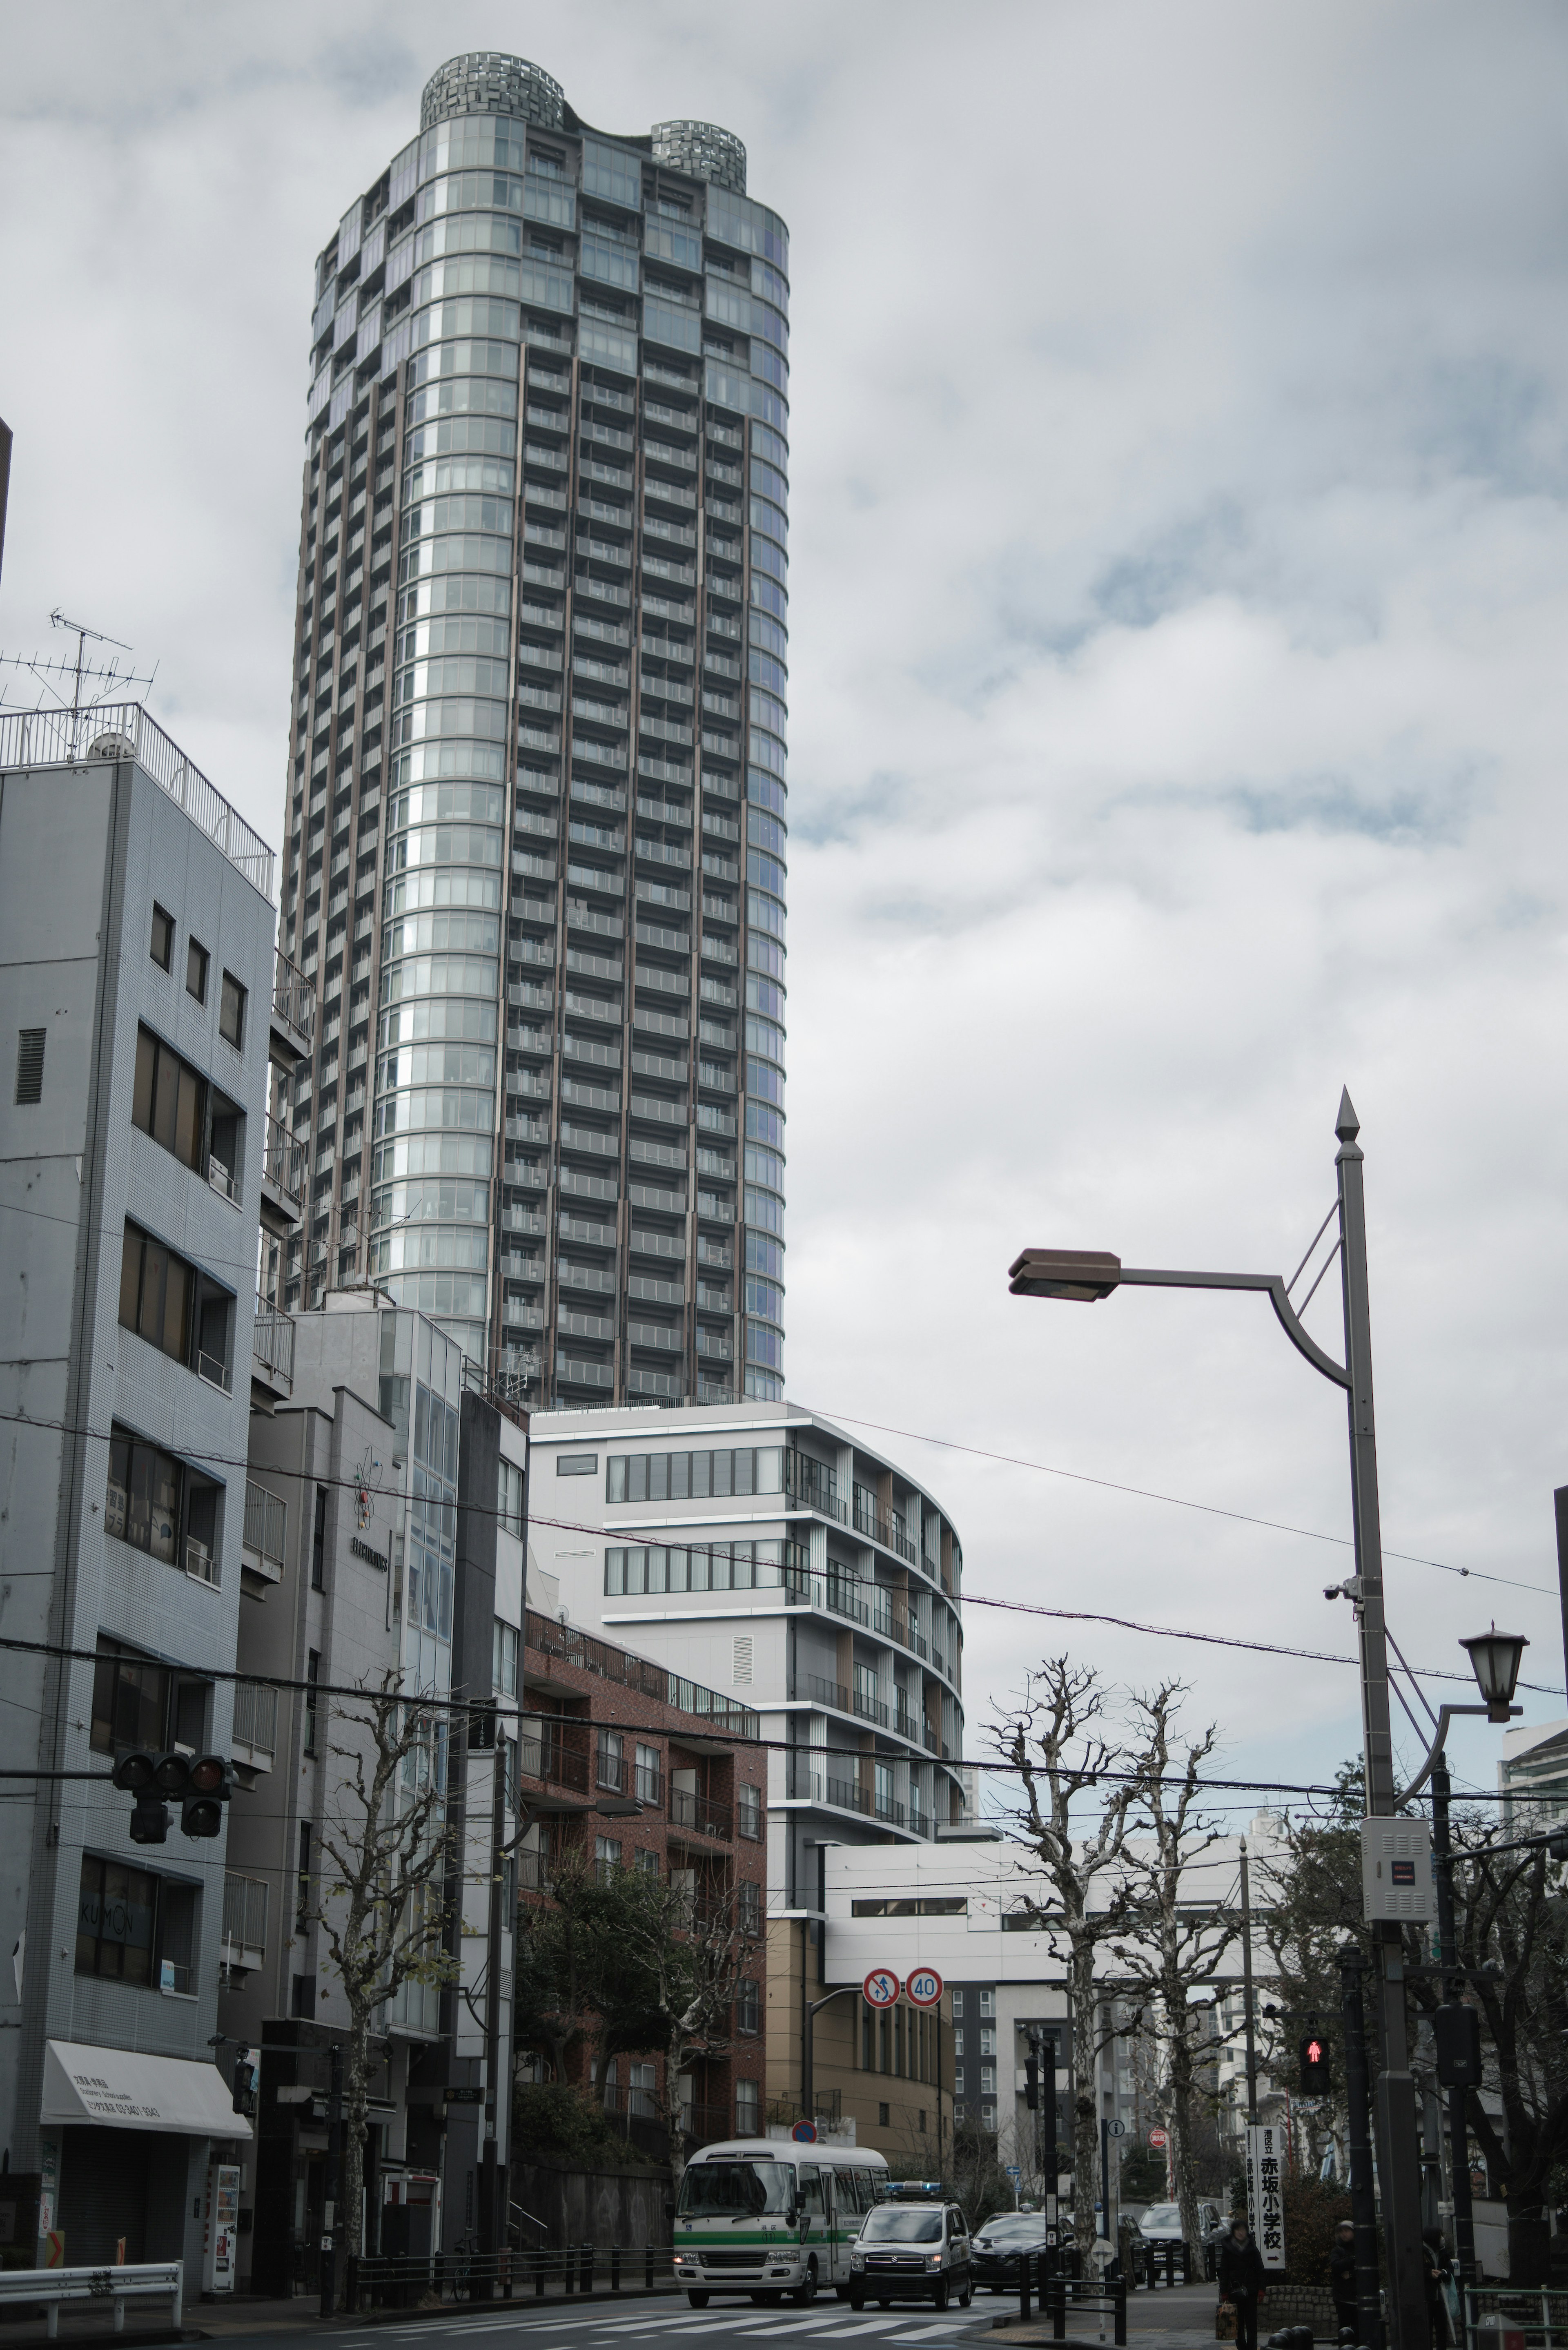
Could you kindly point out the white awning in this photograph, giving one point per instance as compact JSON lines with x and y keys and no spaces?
{"x":119,"y":2088}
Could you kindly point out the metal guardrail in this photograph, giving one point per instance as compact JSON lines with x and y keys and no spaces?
{"x":294,"y":997}
{"x":50,"y":2288}
{"x":1498,"y":2316}
{"x":283,"y":1161}
{"x":42,"y":738}
{"x":395,"y":2283}
{"x":271,"y":1340}
{"x":255,"y":1718}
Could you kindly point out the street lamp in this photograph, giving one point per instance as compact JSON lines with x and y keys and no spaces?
{"x":1086,"y":1276}
{"x":1494,"y":1659}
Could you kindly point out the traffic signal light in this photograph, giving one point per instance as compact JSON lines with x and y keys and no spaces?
{"x":1031,"y":2084}
{"x":1456,"y":2031}
{"x":136,"y":1775}
{"x":245,"y":2083}
{"x":202,"y":1787}
{"x":209,"y":1783}
{"x":1313,"y":2066}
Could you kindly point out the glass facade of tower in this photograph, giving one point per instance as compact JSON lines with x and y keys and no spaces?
{"x":538,"y":842}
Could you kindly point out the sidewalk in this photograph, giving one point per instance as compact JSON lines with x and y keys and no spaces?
{"x":1174,"y":2319}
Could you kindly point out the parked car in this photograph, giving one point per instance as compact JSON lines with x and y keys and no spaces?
{"x":913,"y":2250}
{"x":1000,"y":2243}
{"x":1161,"y":2224}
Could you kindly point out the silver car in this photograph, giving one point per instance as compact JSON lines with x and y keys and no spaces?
{"x":918,"y":2250}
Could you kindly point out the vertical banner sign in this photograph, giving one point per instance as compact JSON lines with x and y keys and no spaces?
{"x":1265,"y":2153}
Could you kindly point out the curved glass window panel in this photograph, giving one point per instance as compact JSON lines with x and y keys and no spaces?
{"x":766,"y":672}
{"x":771,"y":284}
{"x":492,"y":435}
{"x":771,"y":365}
{"x":459,"y":675}
{"x":443,"y":886}
{"x":447,"y":1107}
{"x":419,"y":933}
{"x":438,"y":976}
{"x":450,"y":1246}
{"x":770,"y":481}
{"x":765,"y":1082}
{"x":766,"y":709}
{"x":766,"y":516}
{"x":469,"y":232}
{"x":460,"y":634}
{"x":411,"y":1023}
{"x":467,"y":191}
{"x":469,"y":141}
{"x":466,"y":512}
{"x":772,"y":448}
{"x":441,"y":1293}
{"x":420,"y":1064}
{"x":431,"y":1154}
{"x":424,"y":720}
{"x":766,"y":832}
{"x":763,"y":1036}
{"x":492,"y":477}
{"x":770,"y":636}
{"x":431,"y":802}
{"x":467,"y":388}
{"x":748,"y":227}
{"x":447,"y":1201}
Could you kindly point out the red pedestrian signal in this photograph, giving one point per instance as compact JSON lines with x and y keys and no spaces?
{"x":1314,"y":2081}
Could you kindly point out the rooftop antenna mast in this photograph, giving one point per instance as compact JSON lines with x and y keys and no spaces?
{"x":98,"y":680}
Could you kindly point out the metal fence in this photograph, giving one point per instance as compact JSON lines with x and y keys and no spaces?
{"x":43,"y":738}
{"x":272,"y":1341}
{"x":397,"y":2283}
{"x":245,"y":1916}
{"x":255,"y":1718}
{"x":266,"y":1517}
{"x":294,"y":997}
{"x":1499,"y":2318}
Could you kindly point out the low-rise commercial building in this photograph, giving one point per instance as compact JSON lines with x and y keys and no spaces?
{"x":139,"y":999}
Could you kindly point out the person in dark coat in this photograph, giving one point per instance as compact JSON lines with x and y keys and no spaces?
{"x":1342,"y":2278}
{"x":1242,"y":2281}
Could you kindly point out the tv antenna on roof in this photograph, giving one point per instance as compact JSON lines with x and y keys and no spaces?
{"x":101,"y":680}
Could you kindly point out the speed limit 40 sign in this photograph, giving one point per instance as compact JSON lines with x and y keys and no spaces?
{"x":880,"y":1988}
{"x":924,"y":1987}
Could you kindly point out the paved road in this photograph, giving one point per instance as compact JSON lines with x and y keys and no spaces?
{"x":664,"y":2321}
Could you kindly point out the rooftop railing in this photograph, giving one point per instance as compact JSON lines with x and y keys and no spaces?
{"x":46,"y":738}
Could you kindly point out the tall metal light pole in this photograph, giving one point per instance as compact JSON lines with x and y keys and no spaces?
{"x":1088,"y":1275}
{"x":1248,"y":2014}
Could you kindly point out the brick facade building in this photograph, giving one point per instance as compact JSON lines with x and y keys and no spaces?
{"x":639,"y":1768}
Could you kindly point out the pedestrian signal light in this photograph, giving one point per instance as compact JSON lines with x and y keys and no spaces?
{"x":1457,"y":2033}
{"x":1031,"y":2084}
{"x":1313,"y":2066}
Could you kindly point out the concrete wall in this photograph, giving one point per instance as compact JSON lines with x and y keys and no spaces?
{"x":594,"y":2207}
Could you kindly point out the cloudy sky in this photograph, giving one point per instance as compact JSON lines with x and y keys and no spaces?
{"x":1181,"y":577}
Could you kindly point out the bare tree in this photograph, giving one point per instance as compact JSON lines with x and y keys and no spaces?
{"x":689,"y":1955}
{"x":1174,"y":1943}
{"x":380,"y":1904}
{"x":1052,"y":1740}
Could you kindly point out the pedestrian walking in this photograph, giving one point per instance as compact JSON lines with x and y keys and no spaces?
{"x":1342,"y":2279}
{"x":1241,"y":2281}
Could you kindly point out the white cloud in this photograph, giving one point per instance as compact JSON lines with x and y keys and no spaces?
{"x":1177,"y":557}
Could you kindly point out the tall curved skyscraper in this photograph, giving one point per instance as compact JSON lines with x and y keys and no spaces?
{"x":537,"y":847}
